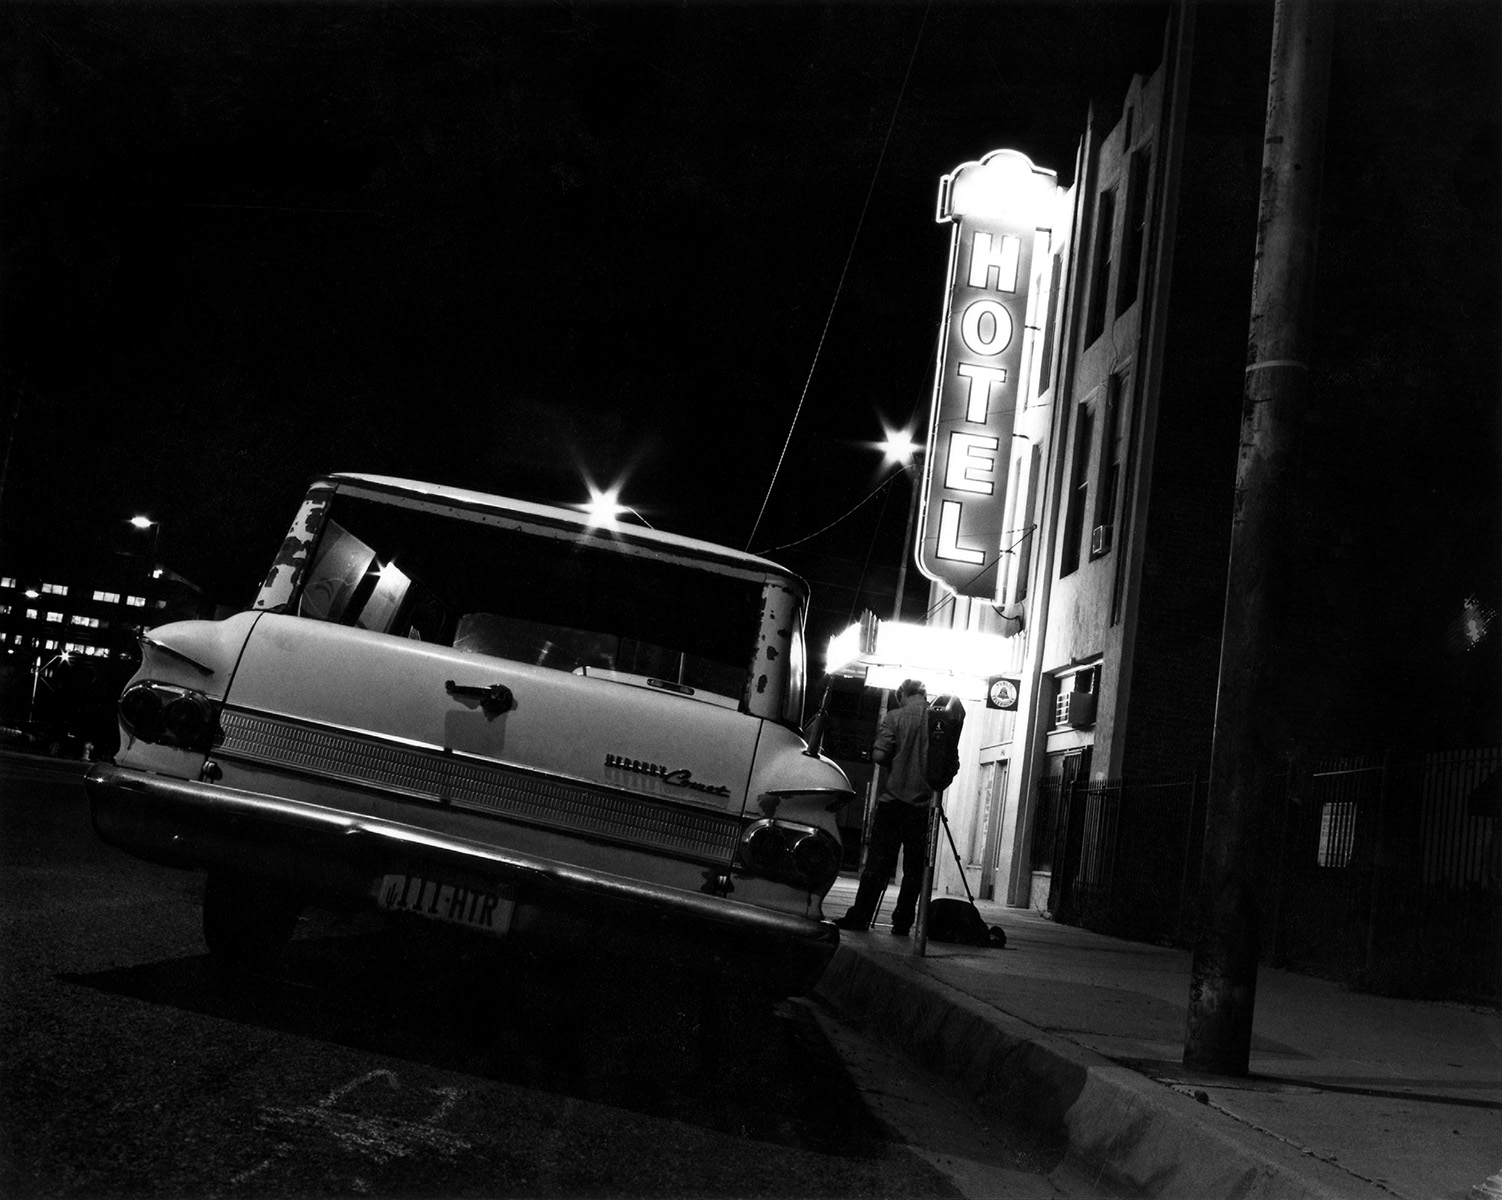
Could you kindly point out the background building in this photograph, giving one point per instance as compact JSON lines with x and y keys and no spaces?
{"x":69,"y":641}
{"x":1089,"y":801}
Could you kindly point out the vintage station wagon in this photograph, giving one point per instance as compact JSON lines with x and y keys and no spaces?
{"x":491,"y":713}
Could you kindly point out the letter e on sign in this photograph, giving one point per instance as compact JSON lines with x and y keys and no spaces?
{"x":972,"y":463}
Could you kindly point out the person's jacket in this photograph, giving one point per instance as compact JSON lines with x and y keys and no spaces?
{"x":902,"y":747}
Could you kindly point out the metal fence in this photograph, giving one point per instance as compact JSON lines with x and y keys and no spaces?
{"x":1385,"y":872}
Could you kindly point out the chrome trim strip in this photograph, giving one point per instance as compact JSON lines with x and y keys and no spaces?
{"x":477,"y":785}
{"x":163,"y":648}
{"x":129,"y":806}
{"x":551,"y":521}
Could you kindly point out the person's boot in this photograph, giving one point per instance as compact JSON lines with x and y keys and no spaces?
{"x":857,"y":918}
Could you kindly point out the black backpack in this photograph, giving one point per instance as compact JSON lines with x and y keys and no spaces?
{"x":946,"y":717}
{"x":951,"y":919}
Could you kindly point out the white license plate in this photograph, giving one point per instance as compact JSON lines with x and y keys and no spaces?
{"x":488,"y":912}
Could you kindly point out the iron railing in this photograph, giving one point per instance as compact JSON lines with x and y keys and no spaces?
{"x":1385,"y":872}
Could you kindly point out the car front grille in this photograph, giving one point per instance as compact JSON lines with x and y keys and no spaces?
{"x":431,"y":774}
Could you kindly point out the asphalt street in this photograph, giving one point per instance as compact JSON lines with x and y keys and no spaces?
{"x":398,"y":1062}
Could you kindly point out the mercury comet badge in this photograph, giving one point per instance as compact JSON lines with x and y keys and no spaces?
{"x":681,"y":777}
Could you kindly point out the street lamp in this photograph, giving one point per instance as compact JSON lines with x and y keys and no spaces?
{"x":603,"y":507}
{"x":898,"y":448}
{"x":36,"y":677}
{"x":143,"y":524}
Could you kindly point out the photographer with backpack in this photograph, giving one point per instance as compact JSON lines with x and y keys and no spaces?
{"x":902,"y":808}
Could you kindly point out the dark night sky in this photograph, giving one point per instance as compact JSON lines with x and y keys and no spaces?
{"x":497,"y":246}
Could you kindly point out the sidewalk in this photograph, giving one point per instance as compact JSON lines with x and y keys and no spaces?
{"x":1082,"y":1036}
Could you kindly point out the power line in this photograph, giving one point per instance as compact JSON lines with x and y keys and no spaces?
{"x":797,"y":412}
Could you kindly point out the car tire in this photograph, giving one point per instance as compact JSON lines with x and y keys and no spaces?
{"x":243,"y":922}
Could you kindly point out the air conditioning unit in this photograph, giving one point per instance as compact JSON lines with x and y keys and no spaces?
{"x":1100,"y":539}
{"x":1076,"y":709}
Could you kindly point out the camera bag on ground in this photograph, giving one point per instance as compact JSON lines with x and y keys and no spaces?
{"x":951,"y":919}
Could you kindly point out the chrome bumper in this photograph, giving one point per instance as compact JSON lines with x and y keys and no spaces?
{"x":335,"y":857}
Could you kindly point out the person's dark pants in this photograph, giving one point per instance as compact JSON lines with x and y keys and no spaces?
{"x":896,"y":826}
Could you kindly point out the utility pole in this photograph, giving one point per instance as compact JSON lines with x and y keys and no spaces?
{"x":886,"y":693}
{"x":1245,"y":761}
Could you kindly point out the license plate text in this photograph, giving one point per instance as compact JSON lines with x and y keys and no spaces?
{"x":436,"y":900}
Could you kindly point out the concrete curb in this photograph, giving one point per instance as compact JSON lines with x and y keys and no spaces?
{"x":1113,"y":1123}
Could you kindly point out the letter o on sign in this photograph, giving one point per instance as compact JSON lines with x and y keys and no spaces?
{"x":982,"y":336}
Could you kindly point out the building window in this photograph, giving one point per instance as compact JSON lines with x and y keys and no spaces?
{"x":1029,"y":521}
{"x":87,"y":622}
{"x":1337,"y":833}
{"x":1050,"y":323}
{"x":1079,"y":490}
{"x":989,"y":791}
{"x":1100,"y":275}
{"x":31,"y":614}
{"x":108,"y":597}
{"x":135,"y":601}
{"x":1134,"y":235}
{"x":54,"y":589}
{"x":7,"y":581}
{"x":1074,"y":704}
{"x":55,"y":617}
{"x":1110,"y":472}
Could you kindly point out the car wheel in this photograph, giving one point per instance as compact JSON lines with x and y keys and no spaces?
{"x":243,"y":920}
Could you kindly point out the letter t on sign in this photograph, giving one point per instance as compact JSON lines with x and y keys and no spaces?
{"x":978,"y":398}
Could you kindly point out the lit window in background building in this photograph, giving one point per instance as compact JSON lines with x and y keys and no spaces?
{"x":54,"y":589}
{"x":108,"y":597}
{"x":87,"y":622}
{"x":55,"y":617}
{"x":135,"y":601}
{"x":31,"y":614}
{"x":7,"y":581}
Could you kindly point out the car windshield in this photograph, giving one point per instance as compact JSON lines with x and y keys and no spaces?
{"x":544,"y":598}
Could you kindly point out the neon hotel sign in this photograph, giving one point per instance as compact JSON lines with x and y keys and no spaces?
{"x":997,"y":207}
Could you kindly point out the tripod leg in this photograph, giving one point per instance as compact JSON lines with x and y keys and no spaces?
{"x":955,"y":851}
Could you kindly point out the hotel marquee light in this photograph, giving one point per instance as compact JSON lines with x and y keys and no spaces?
{"x":958,"y":661}
{"x":997,"y":206}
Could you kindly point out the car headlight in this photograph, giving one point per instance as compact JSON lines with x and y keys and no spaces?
{"x":164,"y":714}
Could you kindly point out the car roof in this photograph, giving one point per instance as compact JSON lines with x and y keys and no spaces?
{"x":569,"y":518}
